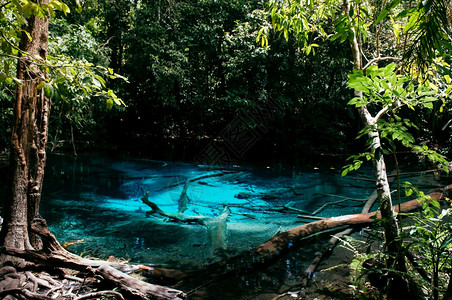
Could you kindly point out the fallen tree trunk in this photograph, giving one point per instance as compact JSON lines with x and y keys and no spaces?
{"x":280,"y":243}
{"x":53,"y":254}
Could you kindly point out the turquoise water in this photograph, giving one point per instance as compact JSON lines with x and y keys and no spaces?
{"x":96,"y":200}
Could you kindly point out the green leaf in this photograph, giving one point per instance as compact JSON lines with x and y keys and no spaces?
{"x":97,"y":83}
{"x":405,"y":13}
{"x":428,"y":105}
{"x":345,"y":172}
{"x":384,"y":13}
{"x":78,"y":6}
{"x":393,"y":4}
{"x":8,"y":80}
{"x":429,"y":99}
{"x":109,"y":103}
{"x":408,"y":192}
{"x":48,"y":90}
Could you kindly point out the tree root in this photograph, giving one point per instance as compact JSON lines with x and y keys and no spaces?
{"x":100,"y":295}
{"x":53,"y":254}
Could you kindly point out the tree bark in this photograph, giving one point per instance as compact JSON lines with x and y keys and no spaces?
{"x":28,"y":142}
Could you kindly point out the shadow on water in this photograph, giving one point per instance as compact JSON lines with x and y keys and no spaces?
{"x":96,"y":201}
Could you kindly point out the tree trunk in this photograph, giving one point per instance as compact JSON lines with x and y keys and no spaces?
{"x":390,"y":224}
{"x":383,"y":189}
{"x":28,"y":142}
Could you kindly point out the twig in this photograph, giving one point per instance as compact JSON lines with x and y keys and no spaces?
{"x":414,"y":172}
{"x":281,"y":296}
{"x":379,"y":58}
{"x":346,"y":198}
{"x":54,"y":289}
{"x":360,"y":178}
{"x":295,"y":209}
{"x":309,"y":217}
{"x":100,"y":294}
{"x":104,"y":44}
{"x":10,"y":43}
{"x":326,"y":204}
{"x":73,"y":278}
{"x":232,"y":213}
{"x":222,"y":173}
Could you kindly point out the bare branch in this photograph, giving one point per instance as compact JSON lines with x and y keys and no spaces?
{"x":104,"y":44}
{"x":10,"y":43}
{"x":100,"y":294}
{"x":381,"y":113}
{"x":379,"y":58}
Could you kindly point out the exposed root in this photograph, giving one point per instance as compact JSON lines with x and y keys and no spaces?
{"x":53,"y":254}
{"x":100,"y":294}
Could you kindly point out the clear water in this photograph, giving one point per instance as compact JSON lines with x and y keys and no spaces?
{"x":96,"y":200}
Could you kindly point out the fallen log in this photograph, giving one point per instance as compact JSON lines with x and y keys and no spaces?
{"x":279,"y":242}
{"x":282,"y":242}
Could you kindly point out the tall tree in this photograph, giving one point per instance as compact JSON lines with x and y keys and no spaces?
{"x":29,"y":137}
{"x":37,"y":80}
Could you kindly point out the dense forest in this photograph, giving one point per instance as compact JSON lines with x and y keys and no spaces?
{"x":221,"y":83}
{"x":192,"y":67}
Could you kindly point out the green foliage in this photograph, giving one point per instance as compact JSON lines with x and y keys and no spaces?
{"x":357,"y":162}
{"x":6,"y":115}
{"x":71,"y":78}
{"x":384,"y":87}
{"x":360,"y":258}
{"x":430,"y":25}
{"x":427,"y":240}
{"x":390,"y":93}
{"x":303,"y":19}
{"x":198,"y":66}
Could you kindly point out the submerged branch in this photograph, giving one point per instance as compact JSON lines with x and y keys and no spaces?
{"x":216,"y":226}
{"x":194,"y":179}
{"x":179,"y":216}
